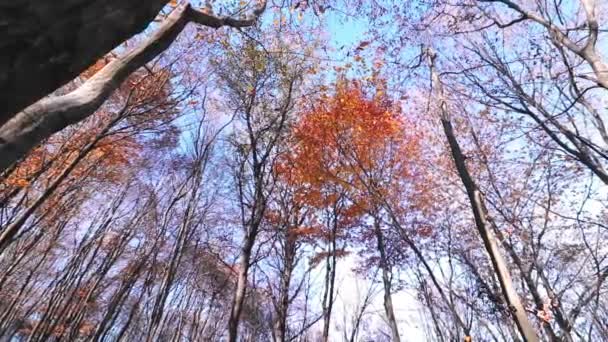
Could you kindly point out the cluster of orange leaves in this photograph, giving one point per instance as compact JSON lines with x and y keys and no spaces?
{"x":96,"y":67}
{"x":19,"y":178}
{"x":344,"y":143}
{"x":107,"y":162}
{"x":346,"y":136}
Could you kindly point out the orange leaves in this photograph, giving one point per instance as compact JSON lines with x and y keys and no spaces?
{"x":21,"y":182}
{"x":151,"y":86}
{"x":348,"y":136}
{"x":93,"y":69}
{"x":106,"y":162}
{"x":546,"y":313}
{"x":20,"y":177}
{"x":352,"y":153}
{"x":362,"y":45}
{"x":305,"y":231}
{"x":425,"y":231}
{"x":117,"y":150}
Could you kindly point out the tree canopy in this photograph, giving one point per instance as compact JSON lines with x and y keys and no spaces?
{"x":314,"y":170}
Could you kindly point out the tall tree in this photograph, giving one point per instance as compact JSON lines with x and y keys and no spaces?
{"x":262,"y":89}
{"x":480,"y":213}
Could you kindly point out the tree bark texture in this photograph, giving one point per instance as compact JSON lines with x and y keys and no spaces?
{"x":46,"y":44}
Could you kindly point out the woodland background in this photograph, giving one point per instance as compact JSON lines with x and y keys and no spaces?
{"x":310,"y":170}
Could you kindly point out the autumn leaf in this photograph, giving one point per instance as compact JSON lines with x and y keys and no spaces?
{"x":362,"y":45}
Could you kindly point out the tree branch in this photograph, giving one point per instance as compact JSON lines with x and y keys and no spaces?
{"x":49,"y":115}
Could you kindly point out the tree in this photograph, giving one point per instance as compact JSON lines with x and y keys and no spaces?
{"x":288,"y":216}
{"x":363,"y":147}
{"x":222,"y":189}
{"x":262,"y":90}
{"x":39,"y":120}
{"x":105,"y":142}
{"x":49,"y":45}
{"x":480,"y":213}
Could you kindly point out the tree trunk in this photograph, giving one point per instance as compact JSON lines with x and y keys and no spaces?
{"x":330,"y":279}
{"x":238,"y":299}
{"x":386,"y":282}
{"x":479,"y":211}
{"x":284,"y":300}
{"x":40,"y":120}
{"x":46,"y":44}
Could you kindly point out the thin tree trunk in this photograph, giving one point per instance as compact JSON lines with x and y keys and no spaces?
{"x":386,"y":281}
{"x":9,"y":232}
{"x":284,"y":300}
{"x":330,"y":279}
{"x":238,"y":299}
